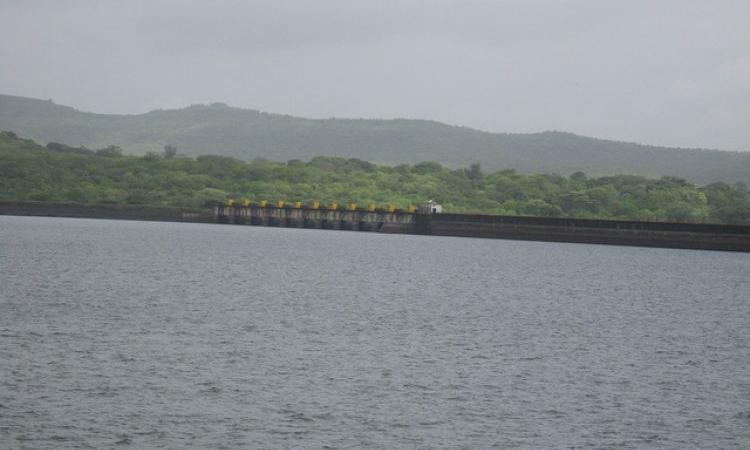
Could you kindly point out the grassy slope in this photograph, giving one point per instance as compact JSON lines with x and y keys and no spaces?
{"x":249,"y":134}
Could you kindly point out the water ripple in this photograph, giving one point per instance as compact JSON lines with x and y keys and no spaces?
{"x":142,"y":335}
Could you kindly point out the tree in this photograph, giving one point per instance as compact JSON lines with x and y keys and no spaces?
{"x":578,"y":176}
{"x":111,"y":151}
{"x":475,"y":171}
{"x":170,"y":151}
{"x":427,"y":167}
{"x":61,"y":173}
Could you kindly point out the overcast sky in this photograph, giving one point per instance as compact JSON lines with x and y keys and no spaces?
{"x":669,"y":72}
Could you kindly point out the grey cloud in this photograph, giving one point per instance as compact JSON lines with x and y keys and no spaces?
{"x":669,"y":72}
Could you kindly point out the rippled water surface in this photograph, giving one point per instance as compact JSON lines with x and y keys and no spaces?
{"x":146,"y":334}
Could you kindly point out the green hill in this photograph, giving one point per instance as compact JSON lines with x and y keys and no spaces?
{"x":249,"y":134}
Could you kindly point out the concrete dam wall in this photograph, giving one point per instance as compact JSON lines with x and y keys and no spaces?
{"x":321,"y":218}
{"x":116,"y":212}
{"x":648,"y":234}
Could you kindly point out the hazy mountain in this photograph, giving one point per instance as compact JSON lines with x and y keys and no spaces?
{"x":249,"y":134}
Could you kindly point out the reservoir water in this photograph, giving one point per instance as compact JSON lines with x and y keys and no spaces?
{"x":149,"y":335}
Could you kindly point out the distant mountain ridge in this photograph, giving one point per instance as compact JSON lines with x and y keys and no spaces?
{"x":249,"y":134}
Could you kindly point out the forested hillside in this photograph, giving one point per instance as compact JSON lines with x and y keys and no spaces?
{"x":248,"y":134}
{"x":59,"y":173}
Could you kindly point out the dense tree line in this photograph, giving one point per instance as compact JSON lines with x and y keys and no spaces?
{"x":59,"y":173}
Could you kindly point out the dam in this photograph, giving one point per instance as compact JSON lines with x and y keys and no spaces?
{"x":388,"y":220}
{"x":424,"y":221}
{"x":431,"y":221}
